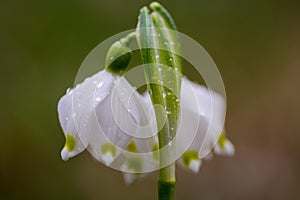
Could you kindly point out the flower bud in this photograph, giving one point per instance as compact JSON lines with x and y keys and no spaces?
{"x":119,"y":56}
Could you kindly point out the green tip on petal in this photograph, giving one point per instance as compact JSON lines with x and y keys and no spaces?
{"x":108,"y":147}
{"x":224,"y":146}
{"x":155,"y":153}
{"x":70,"y":143}
{"x":134,"y":165}
{"x":191,"y":160}
{"x":189,"y":156}
{"x":108,"y":151}
{"x":222,"y":140}
{"x":131,"y":147}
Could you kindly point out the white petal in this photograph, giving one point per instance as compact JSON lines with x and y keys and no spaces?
{"x":119,"y":114}
{"x":210,"y":122}
{"x":108,"y":158}
{"x":195,"y":165}
{"x":190,"y":160}
{"x":118,"y":117}
{"x":77,"y":112}
{"x":227,"y":150}
{"x":130,"y":178}
{"x":73,"y":144}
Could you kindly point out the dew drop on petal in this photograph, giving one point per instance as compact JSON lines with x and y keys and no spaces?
{"x":99,"y":84}
{"x":69,"y":90}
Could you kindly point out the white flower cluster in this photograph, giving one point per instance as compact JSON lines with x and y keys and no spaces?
{"x":112,"y":122}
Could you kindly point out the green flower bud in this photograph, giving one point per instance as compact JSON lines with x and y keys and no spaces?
{"x":119,"y":55}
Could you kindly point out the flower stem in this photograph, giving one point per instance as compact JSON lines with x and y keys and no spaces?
{"x":166,"y":190}
{"x":162,"y":66}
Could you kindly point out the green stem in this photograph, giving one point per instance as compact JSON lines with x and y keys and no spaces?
{"x":158,"y":53}
{"x":166,"y":190}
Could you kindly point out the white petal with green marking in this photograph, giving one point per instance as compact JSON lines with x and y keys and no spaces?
{"x":224,"y":146}
{"x":73,"y":144}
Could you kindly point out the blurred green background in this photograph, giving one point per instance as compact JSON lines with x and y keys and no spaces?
{"x":255,"y":44}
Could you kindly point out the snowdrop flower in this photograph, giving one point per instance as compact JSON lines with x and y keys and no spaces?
{"x":88,"y":120}
{"x":204,"y":141}
{"x":195,"y":115}
{"x":104,"y":111}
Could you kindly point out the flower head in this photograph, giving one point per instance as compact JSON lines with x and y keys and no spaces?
{"x":102,"y":113}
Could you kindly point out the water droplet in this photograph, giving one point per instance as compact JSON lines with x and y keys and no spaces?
{"x":168,"y":112}
{"x":67,"y":118}
{"x":98,"y":99}
{"x":164,"y":94}
{"x":99,"y":84}
{"x":157,"y":56}
{"x":69,"y":90}
{"x":171,"y":59}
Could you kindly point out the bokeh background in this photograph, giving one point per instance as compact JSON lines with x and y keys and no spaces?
{"x":255,"y":44}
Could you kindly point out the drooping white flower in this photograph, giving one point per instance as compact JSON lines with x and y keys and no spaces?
{"x":197,"y":102}
{"x":102,"y":113}
{"x":99,"y":113}
{"x":201,"y":124}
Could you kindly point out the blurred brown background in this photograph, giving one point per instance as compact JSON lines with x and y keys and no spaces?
{"x":255,"y":44}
